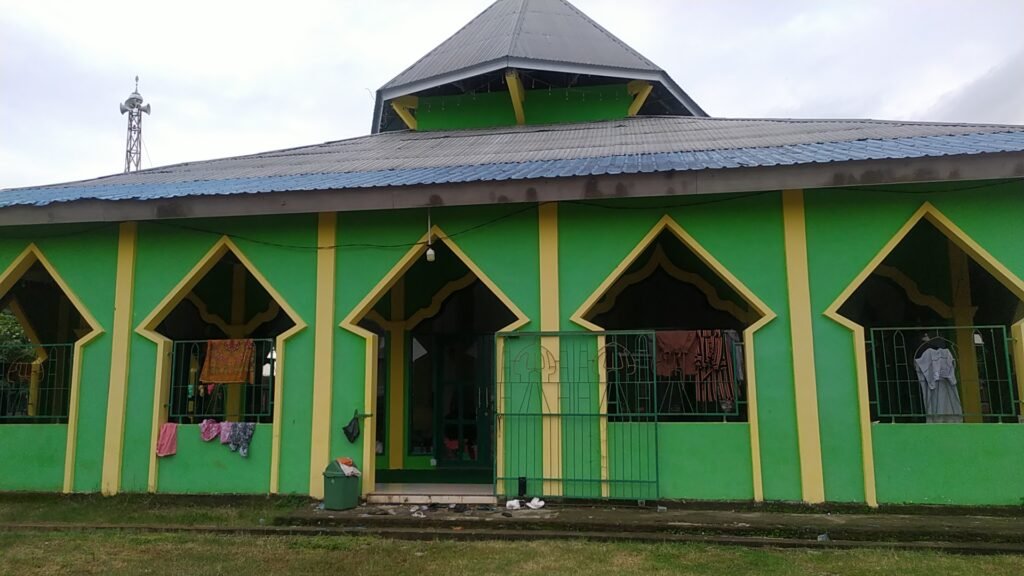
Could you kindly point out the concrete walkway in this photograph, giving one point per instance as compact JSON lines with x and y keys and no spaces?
{"x":874,"y":527}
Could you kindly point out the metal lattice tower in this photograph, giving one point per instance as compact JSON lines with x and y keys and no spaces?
{"x":134,"y":108}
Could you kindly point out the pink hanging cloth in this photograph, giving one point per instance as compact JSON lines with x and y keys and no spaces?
{"x":209,"y":429}
{"x":167,"y":442}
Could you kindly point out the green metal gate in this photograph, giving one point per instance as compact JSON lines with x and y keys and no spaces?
{"x":577,"y":415}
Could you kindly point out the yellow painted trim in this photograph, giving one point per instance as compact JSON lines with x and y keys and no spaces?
{"x":233,"y":330}
{"x":640,"y":91}
{"x":499,"y":432}
{"x":963,"y":315}
{"x":323,"y":351}
{"x":550,"y":321}
{"x":518,"y":95}
{"x":29,"y":256}
{"x":914,"y":292}
{"x":121,"y":337}
{"x":812,"y":479}
{"x":147,"y":328}
{"x":761,"y":309}
{"x":396,"y":379}
{"x":351,"y":323}
{"x":402,"y":106}
{"x":19,"y":314}
{"x":661,"y":260}
{"x":233,"y":394}
{"x":960,"y":238}
{"x":436,"y":302}
{"x":1017,"y":330}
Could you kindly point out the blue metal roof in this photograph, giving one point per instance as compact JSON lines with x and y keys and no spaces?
{"x":787,"y":155}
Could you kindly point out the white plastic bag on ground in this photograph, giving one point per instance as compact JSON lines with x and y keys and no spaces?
{"x":513,"y":505}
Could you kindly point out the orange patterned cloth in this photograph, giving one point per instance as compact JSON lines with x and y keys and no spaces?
{"x":228,"y":362}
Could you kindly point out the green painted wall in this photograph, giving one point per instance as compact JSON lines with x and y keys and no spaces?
{"x":33,"y":456}
{"x":705,"y":461}
{"x":85,"y":257}
{"x":211,"y":467}
{"x":486,"y":110}
{"x":838,"y":248}
{"x":745,"y":235}
{"x":269,"y":242}
{"x":949,"y":464}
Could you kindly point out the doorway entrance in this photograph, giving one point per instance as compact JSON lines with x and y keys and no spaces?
{"x":435,"y":323}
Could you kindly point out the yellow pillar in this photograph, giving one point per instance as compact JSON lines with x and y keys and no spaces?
{"x":233,"y":397}
{"x":963,"y":315}
{"x":550,"y":322}
{"x":396,"y":378}
{"x":798,"y":283}
{"x":117,"y":392}
{"x":323,"y":352}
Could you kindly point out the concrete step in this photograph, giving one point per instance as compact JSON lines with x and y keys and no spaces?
{"x":400,"y":498}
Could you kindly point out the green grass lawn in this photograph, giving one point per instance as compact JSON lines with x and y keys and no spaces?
{"x":84,"y":553}
{"x":148,"y":509}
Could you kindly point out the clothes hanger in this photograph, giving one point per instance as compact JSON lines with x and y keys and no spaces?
{"x":934,"y":342}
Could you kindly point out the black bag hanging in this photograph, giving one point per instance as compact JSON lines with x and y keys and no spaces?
{"x":352,"y":428}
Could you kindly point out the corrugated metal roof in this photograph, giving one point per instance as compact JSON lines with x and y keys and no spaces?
{"x":630,"y":146}
{"x":542,"y":30}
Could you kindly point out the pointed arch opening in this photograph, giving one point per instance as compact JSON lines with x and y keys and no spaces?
{"x":221,"y":334}
{"x":42,"y":328}
{"x":693,"y":319}
{"x":430,"y":326}
{"x":937,"y":314}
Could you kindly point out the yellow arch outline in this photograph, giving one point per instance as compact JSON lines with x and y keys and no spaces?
{"x":960,"y":238}
{"x":147,"y":328}
{"x":351,"y":323}
{"x":661,"y":260}
{"x":231,"y":330}
{"x":29,"y":256}
{"x":756,"y":304}
{"x":913,"y":291}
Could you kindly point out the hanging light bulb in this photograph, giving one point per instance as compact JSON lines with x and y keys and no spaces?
{"x":430,"y":237}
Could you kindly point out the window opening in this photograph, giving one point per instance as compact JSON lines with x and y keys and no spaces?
{"x":682,"y":351}
{"x":224,"y":347}
{"x":38,"y":328}
{"x":937,"y":326}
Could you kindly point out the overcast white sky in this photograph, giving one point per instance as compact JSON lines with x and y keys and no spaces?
{"x":227,"y":78}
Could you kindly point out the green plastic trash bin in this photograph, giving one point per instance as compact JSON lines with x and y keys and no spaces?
{"x":340,"y":492}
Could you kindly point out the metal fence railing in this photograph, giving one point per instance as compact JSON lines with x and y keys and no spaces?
{"x":942,"y":374}
{"x":192,"y":400}
{"x":577,"y":415}
{"x":684,"y":376}
{"x":35,"y":382}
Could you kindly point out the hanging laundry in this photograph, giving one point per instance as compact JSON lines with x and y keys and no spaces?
{"x":167,"y":441}
{"x":676,"y":352}
{"x":714,"y":365}
{"x":209,"y":429}
{"x":936,"y":373}
{"x":228,"y":362}
{"x":241,"y":436}
{"x":704,"y":357}
{"x":225,"y":432}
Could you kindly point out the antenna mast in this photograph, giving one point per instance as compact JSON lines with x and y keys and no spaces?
{"x":134,"y":107}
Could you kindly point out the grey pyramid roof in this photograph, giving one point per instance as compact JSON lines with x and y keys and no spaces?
{"x":550,"y":35}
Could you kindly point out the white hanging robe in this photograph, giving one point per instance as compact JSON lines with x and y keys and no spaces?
{"x":936,"y":372}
